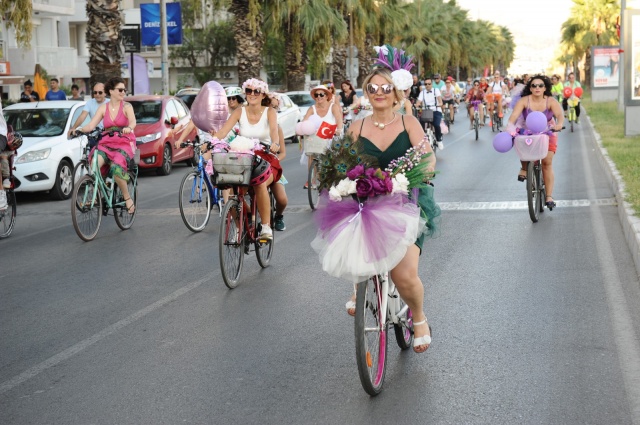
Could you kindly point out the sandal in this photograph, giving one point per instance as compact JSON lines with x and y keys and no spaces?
{"x":133,"y":205}
{"x":423,"y":340}
{"x":550,"y":203}
{"x":351,"y":308}
{"x":522,"y":177}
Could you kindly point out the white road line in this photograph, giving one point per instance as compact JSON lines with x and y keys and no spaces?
{"x":109,"y":330}
{"x":521,"y":205}
{"x":624,"y":333}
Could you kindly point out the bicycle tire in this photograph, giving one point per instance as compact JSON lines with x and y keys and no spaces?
{"x":543,"y":191}
{"x":494,"y":124}
{"x":231,"y":243}
{"x":81,"y":169}
{"x":476,"y":125}
{"x":8,"y":216}
{"x":371,"y":338}
{"x":312,"y":189}
{"x":85,"y":217}
{"x":264,"y":250}
{"x":124,"y":219}
{"x":404,"y":329}
{"x":533,"y":195}
{"x":194,"y":201}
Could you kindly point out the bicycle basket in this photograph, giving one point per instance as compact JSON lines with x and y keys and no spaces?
{"x":315,"y":145}
{"x":232,"y":168}
{"x":532,"y":147}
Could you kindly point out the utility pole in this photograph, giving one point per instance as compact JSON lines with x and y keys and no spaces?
{"x":623,"y":6}
{"x":164,"y":47}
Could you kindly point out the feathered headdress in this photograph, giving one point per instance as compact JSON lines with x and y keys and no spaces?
{"x":399,"y":64}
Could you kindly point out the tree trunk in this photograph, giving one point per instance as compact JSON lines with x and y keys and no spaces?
{"x":103,"y":37}
{"x":587,"y":69}
{"x":296,"y":58}
{"x":249,"y":40}
{"x":366,"y":58}
{"x":339,"y":65}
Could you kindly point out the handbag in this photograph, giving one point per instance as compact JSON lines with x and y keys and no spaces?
{"x":427,"y":114}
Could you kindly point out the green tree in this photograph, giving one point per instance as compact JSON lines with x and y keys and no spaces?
{"x":18,"y":15}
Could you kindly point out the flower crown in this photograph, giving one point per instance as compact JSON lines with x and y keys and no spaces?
{"x":256,"y":84}
{"x":399,"y":64}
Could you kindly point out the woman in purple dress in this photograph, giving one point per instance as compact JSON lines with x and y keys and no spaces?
{"x":114,"y":152}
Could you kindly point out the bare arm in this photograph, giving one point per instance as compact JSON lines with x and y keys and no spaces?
{"x":228,"y":126}
{"x":96,"y":119}
{"x":282,"y":147}
{"x":416,"y":136}
{"x":131,"y":116}
{"x":272,"y":117}
{"x":517,"y":111}
{"x":558,"y":113}
{"x":81,"y":118}
{"x":187,"y":130}
{"x":337,"y":112}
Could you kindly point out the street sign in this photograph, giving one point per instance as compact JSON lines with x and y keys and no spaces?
{"x":131,"y":39}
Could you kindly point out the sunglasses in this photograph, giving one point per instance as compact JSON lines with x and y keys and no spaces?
{"x":427,"y":84}
{"x":98,"y":92}
{"x":476,"y":85}
{"x":319,"y":94}
{"x":234,"y":98}
{"x":373,"y":88}
{"x":121,"y":90}
{"x":537,"y":86}
{"x":252,"y":91}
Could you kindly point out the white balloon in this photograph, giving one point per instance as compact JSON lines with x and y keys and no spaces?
{"x":316,"y":120}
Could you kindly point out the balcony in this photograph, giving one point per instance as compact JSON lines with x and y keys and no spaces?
{"x":54,"y":7}
{"x":58,"y":61}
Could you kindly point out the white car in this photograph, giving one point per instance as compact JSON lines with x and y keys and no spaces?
{"x":46,"y":158}
{"x":288,"y":116}
{"x":303,"y":99}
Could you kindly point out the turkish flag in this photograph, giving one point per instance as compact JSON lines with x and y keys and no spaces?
{"x":326,"y":130}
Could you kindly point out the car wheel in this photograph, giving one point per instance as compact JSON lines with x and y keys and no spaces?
{"x":63,"y":184}
{"x":165,"y":168}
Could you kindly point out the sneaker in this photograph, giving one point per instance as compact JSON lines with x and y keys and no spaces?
{"x":3,"y":200}
{"x":266,"y":233}
{"x":490,"y":123}
{"x":471,"y":126}
{"x":6,"y":183}
{"x":279,"y":223}
{"x":577,"y":122}
{"x":440,"y":145}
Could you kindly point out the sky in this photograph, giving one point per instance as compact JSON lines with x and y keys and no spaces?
{"x":535,"y":26}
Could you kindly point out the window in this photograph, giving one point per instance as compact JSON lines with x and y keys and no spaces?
{"x":38,"y":122}
{"x":171,"y":110}
{"x":147,"y":112}
{"x":182,"y":110}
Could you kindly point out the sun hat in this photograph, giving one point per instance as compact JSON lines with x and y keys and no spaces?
{"x":320,"y":87}
{"x":449,"y":78}
{"x":234,"y":91}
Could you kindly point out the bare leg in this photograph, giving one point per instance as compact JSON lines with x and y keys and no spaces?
{"x":262,"y":199}
{"x":281,"y":197}
{"x":122,"y":184}
{"x":523,"y":168}
{"x":500,"y":107}
{"x":547,"y":174}
{"x":405,"y":276}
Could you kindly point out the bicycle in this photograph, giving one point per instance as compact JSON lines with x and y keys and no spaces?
{"x":240,"y":223}
{"x":313,"y":147}
{"x":429,"y":129}
{"x":571,"y":111}
{"x":375,"y":296}
{"x":347,"y":118}
{"x":8,"y":215}
{"x":496,"y":120}
{"x":476,"y":116}
{"x":194,"y":209}
{"x":93,"y":197}
{"x":82,"y":167}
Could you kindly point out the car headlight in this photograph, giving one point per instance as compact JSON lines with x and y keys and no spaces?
{"x":34,"y":156}
{"x":148,"y":138}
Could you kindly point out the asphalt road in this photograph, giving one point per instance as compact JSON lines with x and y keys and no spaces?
{"x":532,"y":323}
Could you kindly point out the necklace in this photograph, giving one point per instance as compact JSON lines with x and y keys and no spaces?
{"x":382,"y":126}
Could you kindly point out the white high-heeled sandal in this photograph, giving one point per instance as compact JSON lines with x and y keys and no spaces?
{"x":423,"y":340}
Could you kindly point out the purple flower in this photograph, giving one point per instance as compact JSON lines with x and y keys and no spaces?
{"x":379,"y":188}
{"x":370,"y":172}
{"x":355,"y":172}
{"x":388,"y":184}
{"x":364,"y":188}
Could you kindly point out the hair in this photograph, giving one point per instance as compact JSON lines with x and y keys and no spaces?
{"x":266,"y":100}
{"x":55,"y":79}
{"x":28,"y":83}
{"x":386,"y":74}
{"x":347,"y":82}
{"x":547,"y":85}
{"x":75,"y":86}
{"x":112,"y":83}
{"x":329,"y":85}
{"x":476,"y":81}
{"x":570,"y":74}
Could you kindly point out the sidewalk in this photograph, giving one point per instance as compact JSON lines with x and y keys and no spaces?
{"x":630,"y":223}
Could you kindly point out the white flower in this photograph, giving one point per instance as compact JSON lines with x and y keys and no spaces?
{"x":346,"y":187}
{"x":383,"y":48}
{"x":242,"y":144}
{"x":400,"y":184}
{"x":334,"y":194}
{"x":402,"y":79}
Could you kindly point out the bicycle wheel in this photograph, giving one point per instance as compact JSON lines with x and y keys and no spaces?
{"x":498,"y":123}
{"x":543,"y":190}
{"x":533,"y":196}
{"x":404,"y":329}
{"x":231,"y":243}
{"x":494,"y":123}
{"x":124,"y":219}
{"x":476,"y":125}
{"x":370,"y":335}
{"x":264,"y":250}
{"x":572,"y":117}
{"x":86,"y":213}
{"x":8,"y":216}
{"x":195,"y":201}
{"x":81,"y":169}
{"x":312,"y":191}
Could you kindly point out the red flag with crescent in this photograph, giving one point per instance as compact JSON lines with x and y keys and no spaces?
{"x":326,"y":130}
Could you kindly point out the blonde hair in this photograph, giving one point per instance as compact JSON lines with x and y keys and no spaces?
{"x":386,"y":74}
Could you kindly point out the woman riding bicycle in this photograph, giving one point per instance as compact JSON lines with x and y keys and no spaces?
{"x":388,"y":135}
{"x":477,"y":94}
{"x":536,"y":96}
{"x":115,"y":151}
{"x":257,"y":120}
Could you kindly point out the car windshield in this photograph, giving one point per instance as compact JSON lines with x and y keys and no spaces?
{"x":302,"y":99}
{"x":147,"y":111}
{"x":187,"y":99}
{"x":38,"y":122}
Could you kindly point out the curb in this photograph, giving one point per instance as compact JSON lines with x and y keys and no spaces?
{"x":630,"y":223}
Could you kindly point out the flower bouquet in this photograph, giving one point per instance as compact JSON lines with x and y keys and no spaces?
{"x":368,"y":216}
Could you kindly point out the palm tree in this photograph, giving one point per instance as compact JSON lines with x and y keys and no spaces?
{"x":103,"y":37}
{"x":249,"y":37}
{"x":18,"y":14}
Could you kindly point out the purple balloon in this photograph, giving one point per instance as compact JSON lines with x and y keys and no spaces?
{"x":503,"y":142}
{"x":536,"y":122}
{"x":209,"y":110}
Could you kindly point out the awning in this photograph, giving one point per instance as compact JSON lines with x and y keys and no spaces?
{"x":7,"y":80}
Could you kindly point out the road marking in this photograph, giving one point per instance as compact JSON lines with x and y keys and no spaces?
{"x":521,"y":205}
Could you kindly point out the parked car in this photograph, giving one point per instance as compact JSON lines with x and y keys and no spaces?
{"x":188,"y":95}
{"x":303,"y":99}
{"x":46,"y":158}
{"x":160,"y":121}
{"x":288,"y":116}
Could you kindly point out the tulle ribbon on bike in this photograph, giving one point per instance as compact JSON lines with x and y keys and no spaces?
{"x":356,"y":240}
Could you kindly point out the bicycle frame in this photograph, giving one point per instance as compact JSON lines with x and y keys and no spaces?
{"x":196,"y":190}
{"x":239,"y":193}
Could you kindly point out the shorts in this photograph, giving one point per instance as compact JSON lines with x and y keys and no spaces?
{"x":493,"y":97}
{"x":553,"y":143}
{"x":448,"y":102}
